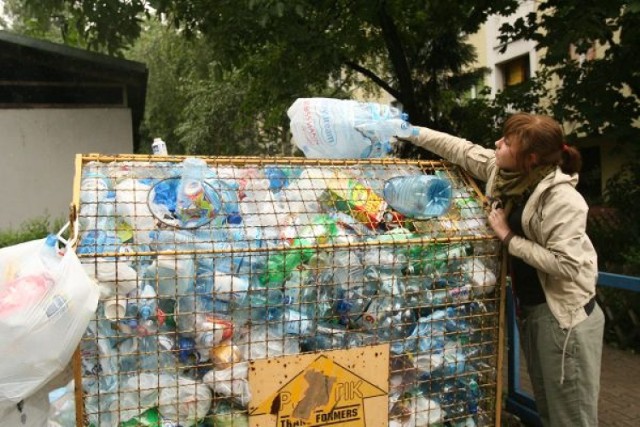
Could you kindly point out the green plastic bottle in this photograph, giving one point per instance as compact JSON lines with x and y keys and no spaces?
{"x":280,"y":265}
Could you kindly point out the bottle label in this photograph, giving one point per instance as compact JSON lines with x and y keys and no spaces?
{"x":350,"y":196}
{"x":159,"y":148}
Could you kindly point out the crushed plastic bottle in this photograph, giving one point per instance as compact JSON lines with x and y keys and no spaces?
{"x":383,"y":132}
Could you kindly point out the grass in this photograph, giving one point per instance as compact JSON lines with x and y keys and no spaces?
{"x":32,"y":229}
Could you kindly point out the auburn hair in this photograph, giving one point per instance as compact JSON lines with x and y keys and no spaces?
{"x":542,"y":136}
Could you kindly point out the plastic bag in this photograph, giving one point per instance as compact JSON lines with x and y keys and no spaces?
{"x":336,"y":128}
{"x":46,"y":301}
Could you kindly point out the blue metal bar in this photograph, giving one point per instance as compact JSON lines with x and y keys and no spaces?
{"x":629,"y":283}
{"x":519,"y":402}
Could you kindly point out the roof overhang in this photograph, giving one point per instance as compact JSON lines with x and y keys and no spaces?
{"x":40,"y":74}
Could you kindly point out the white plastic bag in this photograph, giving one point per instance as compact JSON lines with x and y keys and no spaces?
{"x":46,"y":301}
{"x":332,"y":128}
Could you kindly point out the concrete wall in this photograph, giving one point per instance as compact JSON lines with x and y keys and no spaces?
{"x":37,"y":160}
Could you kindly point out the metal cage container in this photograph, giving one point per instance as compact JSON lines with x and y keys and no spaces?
{"x":284,"y":292}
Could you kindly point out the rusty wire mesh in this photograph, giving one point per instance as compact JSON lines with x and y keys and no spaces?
{"x":272,"y":257}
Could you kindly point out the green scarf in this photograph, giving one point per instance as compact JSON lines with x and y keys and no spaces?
{"x":513,"y":188}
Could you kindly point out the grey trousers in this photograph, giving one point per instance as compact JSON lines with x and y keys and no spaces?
{"x":574,"y":402}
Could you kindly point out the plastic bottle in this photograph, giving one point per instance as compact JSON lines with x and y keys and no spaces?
{"x":427,"y":335}
{"x":473,"y":395}
{"x":356,"y":287}
{"x":170,"y":274}
{"x":132,"y":208}
{"x":326,"y":127}
{"x":159,"y":147}
{"x":183,"y":401}
{"x":296,"y":323}
{"x":195,"y":206}
{"x":49,"y":252}
{"x":211,"y":331}
{"x":418,"y":196}
{"x":147,"y":304}
{"x":483,"y":281}
{"x":382,"y":131}
{"x":299,"y":293}
{"x":138,"y":393}
{"x":281,"y":264}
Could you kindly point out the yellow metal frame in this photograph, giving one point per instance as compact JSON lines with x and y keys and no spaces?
{"x":82,"y":159}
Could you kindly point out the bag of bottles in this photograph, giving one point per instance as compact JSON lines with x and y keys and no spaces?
{"x":46,"y":301}
{"x":343,"y":129}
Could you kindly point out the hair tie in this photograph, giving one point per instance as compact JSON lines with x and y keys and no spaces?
{"x":565,"y":148}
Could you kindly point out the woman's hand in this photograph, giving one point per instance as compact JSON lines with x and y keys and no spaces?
{"x":498,"y":222}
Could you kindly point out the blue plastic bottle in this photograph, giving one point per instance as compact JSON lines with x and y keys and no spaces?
{"x":147,"y":302}
{"x":418,"y":196}
{"x":49,"y":252}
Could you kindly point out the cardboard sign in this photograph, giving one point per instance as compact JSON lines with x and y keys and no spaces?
{"x":340,"y":387}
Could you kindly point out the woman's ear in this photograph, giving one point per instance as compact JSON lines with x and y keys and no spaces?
{"x":533,"y":159}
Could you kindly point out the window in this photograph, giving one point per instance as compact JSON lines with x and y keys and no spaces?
{"x":515,"y":71}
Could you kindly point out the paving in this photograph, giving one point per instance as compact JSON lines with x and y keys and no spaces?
{"x":619,"y":404}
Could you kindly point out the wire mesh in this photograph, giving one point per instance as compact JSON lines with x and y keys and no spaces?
{"x":202,"y":271}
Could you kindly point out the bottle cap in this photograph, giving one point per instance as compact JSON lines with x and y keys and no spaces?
{"x":145,"y":312}
{"x":234,"y":219}
{"x":51,"y":240}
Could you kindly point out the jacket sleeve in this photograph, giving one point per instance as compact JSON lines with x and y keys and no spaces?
{"x":566,"y":246}
{"x":475,"y":159}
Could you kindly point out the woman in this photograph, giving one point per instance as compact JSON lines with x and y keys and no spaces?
{"x":541,"y":218}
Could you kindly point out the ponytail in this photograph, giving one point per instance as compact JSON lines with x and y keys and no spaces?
{"x":571,"y":160}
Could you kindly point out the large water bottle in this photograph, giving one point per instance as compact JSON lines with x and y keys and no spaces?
{"x":418,"y":196}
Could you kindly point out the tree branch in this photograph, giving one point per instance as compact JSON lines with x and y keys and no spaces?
{"x":374,"y":77}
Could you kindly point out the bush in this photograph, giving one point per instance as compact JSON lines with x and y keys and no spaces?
{"x":615,"y":232}
{"x":33,"y":229}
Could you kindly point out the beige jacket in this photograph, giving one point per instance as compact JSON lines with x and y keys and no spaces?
{"x":554,"y":223}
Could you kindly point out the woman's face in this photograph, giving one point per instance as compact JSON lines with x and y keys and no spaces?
{"x":506,"y":155}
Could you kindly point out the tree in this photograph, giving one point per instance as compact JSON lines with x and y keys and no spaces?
{"x":599,"y":95}
{"x":415,"y":51}
{"x":194,"y":109}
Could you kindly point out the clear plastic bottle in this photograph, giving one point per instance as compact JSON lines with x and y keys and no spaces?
{"x":386,"y":129}
{"x":356,"y":286}
{"x":418,"y":196}
{"x":147,"y":302}
{"x":327,"y":128}
{"x":195,"y":206}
